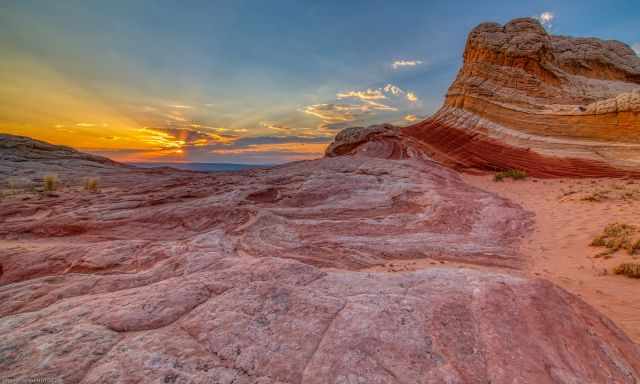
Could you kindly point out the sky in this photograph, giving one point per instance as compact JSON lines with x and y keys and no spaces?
{"x":256,"y":82}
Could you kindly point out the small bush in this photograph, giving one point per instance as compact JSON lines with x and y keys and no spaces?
{"x":596,"y":196}
{"x":51,"y":183}
{"x":91,"y":184}
{"x":628,"y":269}
{"x":514,"y":174}
{"x":618,"y":236}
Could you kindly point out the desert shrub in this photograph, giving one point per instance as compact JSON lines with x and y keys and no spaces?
{"x":618,"y":236}
{"x":628,"y":269}
{"x":514,"y":174}
{"x":91,"y":184}
{"x":596,"y":196}
{"x":51,"y":183}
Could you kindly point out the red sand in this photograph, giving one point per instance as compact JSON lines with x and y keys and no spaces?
{"x":565,"y":224}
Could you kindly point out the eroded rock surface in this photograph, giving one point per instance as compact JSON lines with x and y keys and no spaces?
{"x":252,"y":277}
{"x":269,"y":320}
{"x":550,"y":105}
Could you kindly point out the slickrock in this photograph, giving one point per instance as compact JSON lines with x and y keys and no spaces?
{"x":550,"y":105}
{"x":23,"y":157}
{"x":269,"y":320}
{"x":254,"y":277}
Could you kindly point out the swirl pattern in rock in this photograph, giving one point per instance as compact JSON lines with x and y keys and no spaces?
{"x":550,"y":105}
{"x":181,"y":277}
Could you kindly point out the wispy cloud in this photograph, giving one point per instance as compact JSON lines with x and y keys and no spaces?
{"x":180,"y":106}
{"x":546,"y":19}
{"x":636,"y":47}
{"x":406,"y":63}
{"x":369,"y":94}
{"x":335,"y":113}
{"x":275,"y":126}
{"x":390,"y":88}
{"x":88,"y":125}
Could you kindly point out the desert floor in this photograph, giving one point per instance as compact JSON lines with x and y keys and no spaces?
{"x":568,"y":215}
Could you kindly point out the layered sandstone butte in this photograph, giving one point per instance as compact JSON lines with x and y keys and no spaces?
{"x":550,"y":105}
{"x":255,"y":277}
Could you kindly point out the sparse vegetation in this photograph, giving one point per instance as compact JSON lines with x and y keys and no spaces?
{"x":617,"y":193}
{"x":596,"y":196}
{"x":628,"y":269}
{"x":617,"y":236}
{"x":91,"y":184}
{"x":514,"y":174}
{"x":51,"y":183}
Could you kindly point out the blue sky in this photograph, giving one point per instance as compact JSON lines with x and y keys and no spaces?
{"x":245,"y":81}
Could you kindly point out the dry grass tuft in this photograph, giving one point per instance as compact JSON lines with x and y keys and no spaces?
{"x":514,"y":174}
{"x":596,"y":196}
{"x":91,"y":184}
{"x":628,"y":269}
{"x":617,"y":236}
{"x":616,"y":193}
{"x":51,"y":183}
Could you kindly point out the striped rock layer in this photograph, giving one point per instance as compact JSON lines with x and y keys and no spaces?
{"x":550,"y":105}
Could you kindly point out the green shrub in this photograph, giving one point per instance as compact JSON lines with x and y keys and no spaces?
{"x":628,"y":269}
{"x":91,"y":184}
{"x":514,"y":174}
{"x":618,"y":236}
{"x":51,"y":183}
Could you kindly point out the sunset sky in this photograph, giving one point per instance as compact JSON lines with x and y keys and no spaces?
{"x":258,"y":82}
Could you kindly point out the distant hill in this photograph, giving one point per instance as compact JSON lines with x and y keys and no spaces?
{"x":22,"y":156}
{"x":203,"y":167}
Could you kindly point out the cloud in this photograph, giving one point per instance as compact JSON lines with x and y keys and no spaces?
{"x":390,"y":88}
{"x":406,"y":63}
{"x":411,"y":118}
{"x":369,"y":94}
{"x":247,"y":141}
{"x":274,"y":126}
{"x":180,"y":106}
{"x":636,"y":47}
{"x":295,"y":147}
{"x":335,"y":113}
{"x":546,"y":19}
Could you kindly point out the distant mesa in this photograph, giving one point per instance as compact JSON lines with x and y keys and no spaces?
{"x":550,"y":105}
{"x":201,"y":167}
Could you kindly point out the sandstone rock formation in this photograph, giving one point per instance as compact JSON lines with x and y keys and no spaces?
{"x":24,"y":157}
{"x":253,"y":277}
{"x":550,"y":105}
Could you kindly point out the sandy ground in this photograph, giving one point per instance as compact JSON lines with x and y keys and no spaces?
{"x":569,"y":214}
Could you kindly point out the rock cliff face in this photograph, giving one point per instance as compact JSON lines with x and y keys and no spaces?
{"x":550,"y":105}
{"x":255,"y":277}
